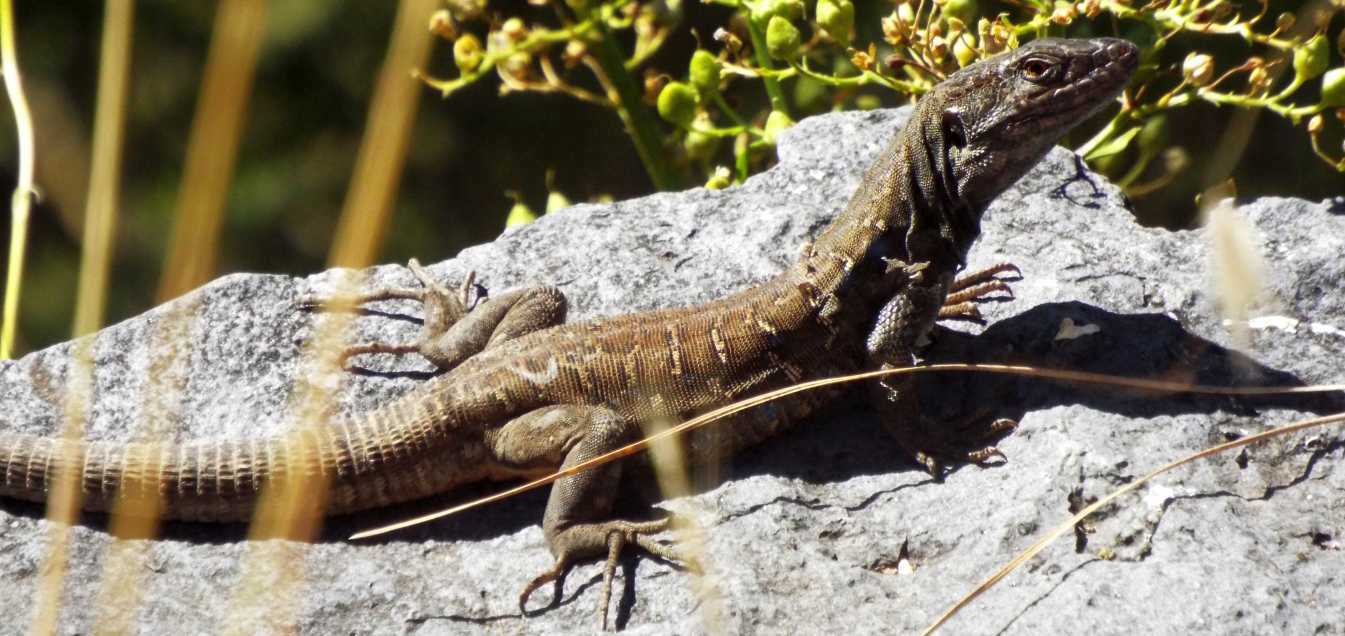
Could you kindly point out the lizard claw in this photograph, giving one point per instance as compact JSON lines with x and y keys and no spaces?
{"x":578,"y":542}
{"x":978,"y":287}
{"x":934,"y":446}
{"x":557,"y":572}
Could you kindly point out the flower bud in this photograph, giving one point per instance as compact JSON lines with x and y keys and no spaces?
{"x":1154,"y":134}
{"x":1259,"y":80}
{"x":837,"y":18}
{"x":964,"y":49}
{"x":441,"y":24}
{"x":938,"y":48}
{"x":1063,"y":13}
{"x":787,"y":9}
{"x":893,"y":30}
{"x":700,"y":146}
{"x":514,"y":29}
{"x":574,"y":53}
{"x":677,"y":104}
{"x":1316,"y":124}
{"x":556,"y":201}
{"x":1002,"y":37}
{"x":704,"y":71}
{"x":782,"y":39}
{"x":653,"y":85}
{"x":1310,"y":60}
{"x":1175,"y":159}
{"x":730,"y":41}
{"x":1333,"y":87}
{"x":868,"y":102}
{"x":906,"y":13}
{"x":465,"y":10}
{"x":1285,"y":21}
{"x":721,"y":179}
{"x":964,"y":10}
{"x":467,"y":53}
{"x":520,"y":214}
{"x":776,"y":123}
{"x":1198,"y":69}
{"x":862,"y":61}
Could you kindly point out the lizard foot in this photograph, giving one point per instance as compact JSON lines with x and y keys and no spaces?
{"x":443,"y":309}
{"x":960,"y":304}
{"x":430,"y":288}
{"x":935,"y":447}
{"x":581,"y":541}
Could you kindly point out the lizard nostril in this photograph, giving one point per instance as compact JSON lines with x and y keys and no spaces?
{"x":1122,"y":51}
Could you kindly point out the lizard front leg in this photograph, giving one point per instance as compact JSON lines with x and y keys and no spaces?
{"x":898,"y":330}
{"x":578,"y":522}
{"x":966,"y":291}
{"x":456,"y":329}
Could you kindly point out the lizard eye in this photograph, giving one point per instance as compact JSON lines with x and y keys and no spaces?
{"x":953,"y":131}
{"x":1036,"y":69}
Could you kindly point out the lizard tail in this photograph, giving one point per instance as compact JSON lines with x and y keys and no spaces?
{"x":374,"y":461}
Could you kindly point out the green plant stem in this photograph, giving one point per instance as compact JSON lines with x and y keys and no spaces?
{"x":538,"y":39}
{"x":1294,"y":113}
{"x":728,"y":131}
{"x":1137,"y":168}
{"x":1176,"y":19}
{"x":21,"y":200}
{"x":864,"y":78}
{"x":718,"y":99}
{"x":640,"y":122}
{"x":651,"y":47}
{"x":1117,"y":124}
{"x":771,"y":82}
{"x":742,"y":157}
{"x":1330,"y":161}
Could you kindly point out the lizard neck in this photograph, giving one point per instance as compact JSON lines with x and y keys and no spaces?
{"x":906,"y":208}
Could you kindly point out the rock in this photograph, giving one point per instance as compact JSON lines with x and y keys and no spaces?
{"x":827,"y":528}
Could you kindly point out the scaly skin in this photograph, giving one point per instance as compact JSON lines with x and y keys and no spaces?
{"x":521,"y":397}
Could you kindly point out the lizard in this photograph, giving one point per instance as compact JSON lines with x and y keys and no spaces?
{"x":522,"y":392}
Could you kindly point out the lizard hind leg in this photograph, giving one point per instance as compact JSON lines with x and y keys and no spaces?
{"x":455,"y":328}
{"x":578,"y":523}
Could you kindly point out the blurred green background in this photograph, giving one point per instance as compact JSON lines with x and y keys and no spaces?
{"x":316,"y":72}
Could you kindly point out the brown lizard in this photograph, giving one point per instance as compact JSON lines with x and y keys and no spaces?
{"x":522,"y":394}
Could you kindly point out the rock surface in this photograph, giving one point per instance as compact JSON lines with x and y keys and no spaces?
{"x":824,"y":529}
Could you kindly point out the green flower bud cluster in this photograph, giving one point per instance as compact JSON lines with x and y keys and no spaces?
{"x":467,"y":53}
{"x":1333,"y":87}
{"x":677,"y":103}
{"x":1311,"y":59}
{"x":782,"y":39}
{"x":808,"y":56}
{"x":837,"y":19}
{"x":704,"y":71}
{"x":764,"y":10}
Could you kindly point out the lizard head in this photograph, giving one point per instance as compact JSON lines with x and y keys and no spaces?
{"x":999,"y":117}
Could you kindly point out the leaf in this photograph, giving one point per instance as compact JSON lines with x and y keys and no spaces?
{"x":1115,"y":146}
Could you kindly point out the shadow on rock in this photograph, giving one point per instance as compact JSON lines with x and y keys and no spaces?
{"x":843,"y":443}
{"x":1079,"y":337}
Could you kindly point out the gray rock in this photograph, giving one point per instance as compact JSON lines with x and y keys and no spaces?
{"x":827,"y":528}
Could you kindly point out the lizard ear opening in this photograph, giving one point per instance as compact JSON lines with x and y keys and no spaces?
{"x":953,"y":132}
